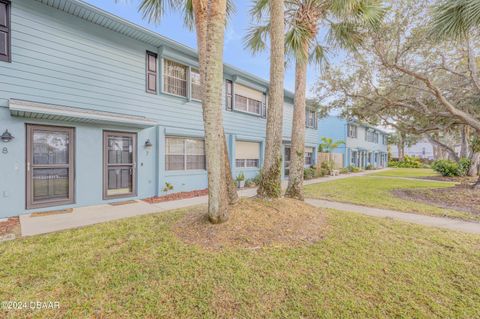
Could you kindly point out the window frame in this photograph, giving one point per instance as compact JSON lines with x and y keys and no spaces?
{"x":355,"y":131}
{"x":190,"y":71}
{"x":8,"y":30}
{"x":245,"y":160}
{"x":314,"y":118}
{"x":185,"y":161}
{"x":229,"y":97}
{"x":187,"y":80}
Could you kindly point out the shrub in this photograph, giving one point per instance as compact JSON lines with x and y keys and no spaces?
{"x":447,"y":168}
{"x":309,"y":173}
{"x":369,"y":167}
{"x":464,"y":166}
{"x":344,"y":170}
{"x":408,"y":162}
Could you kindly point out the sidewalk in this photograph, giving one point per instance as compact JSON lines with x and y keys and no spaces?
{"x":440,"y":222}
{"x":90,"y":215}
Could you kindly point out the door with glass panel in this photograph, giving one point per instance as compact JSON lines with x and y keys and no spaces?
{"x":50,"y":166}
{"x":286,"y":160}
{"x":119,"y":172}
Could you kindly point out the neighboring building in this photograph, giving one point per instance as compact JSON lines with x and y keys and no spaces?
{"x":422,"y":149}
{"x":364,"y":145}
{"x":103,"y":110}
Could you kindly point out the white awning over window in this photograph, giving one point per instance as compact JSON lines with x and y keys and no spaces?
{"x":248,"y":92}
{"x":247,"y":150}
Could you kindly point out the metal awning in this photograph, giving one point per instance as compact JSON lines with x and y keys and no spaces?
{"x":43,"y":111}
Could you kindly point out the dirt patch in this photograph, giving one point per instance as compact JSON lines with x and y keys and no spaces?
{"x":255,"y":223}
{"x":461,"y":197}
{"x":176,"y":196}
{"x":10,"y":229}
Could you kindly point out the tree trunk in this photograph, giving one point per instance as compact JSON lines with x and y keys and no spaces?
{"x":297,"y":160}
{"x":201,"y":16}
{"x":474,"y":165}
{"x":401,"y":147}
{"x":270,"y":182}
{"x":465,"y":134}
{"x":212,"y":113}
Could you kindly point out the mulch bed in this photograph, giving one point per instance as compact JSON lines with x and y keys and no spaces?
{"x":253,"y":224}
{"x":461,"y":197}
{"x":10,"y":228}
{"x":176,"y":196}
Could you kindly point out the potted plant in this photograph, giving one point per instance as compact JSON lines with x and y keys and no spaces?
{"x":240,"y":180}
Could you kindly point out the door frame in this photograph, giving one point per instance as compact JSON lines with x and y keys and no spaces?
{"x":29,"y":202}
{"x":134,"y":136}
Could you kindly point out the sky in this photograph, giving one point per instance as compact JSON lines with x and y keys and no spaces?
{"x":235,"y":53}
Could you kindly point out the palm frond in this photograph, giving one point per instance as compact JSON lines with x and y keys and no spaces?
{"x":154,"y":10}
{"x":450,"y":19}
{"x":345,"y":35}
{"x":256,"y":38}
{"x":260,"y":9}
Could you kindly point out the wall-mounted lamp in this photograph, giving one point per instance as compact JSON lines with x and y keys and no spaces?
{"x":6,"y":136}
{"x":148,"y":145}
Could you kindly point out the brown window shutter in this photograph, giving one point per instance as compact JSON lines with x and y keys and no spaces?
{"x":5,"y":31}
{"x":151,"y":72}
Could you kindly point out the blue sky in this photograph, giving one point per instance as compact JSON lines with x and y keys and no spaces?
{"x":235,"y":53}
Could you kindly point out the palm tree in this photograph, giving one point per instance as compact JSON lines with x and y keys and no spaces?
{"x":209,"y":18}
{"x":344,"y":19}
{"x":456,"y":18}
{"x":328,"y":145}
{"x":273,"y":12}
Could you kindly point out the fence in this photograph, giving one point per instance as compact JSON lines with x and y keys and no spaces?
{"x":336,"y":158}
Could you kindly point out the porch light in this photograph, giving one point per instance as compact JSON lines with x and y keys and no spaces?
{"x":148,"y":145}
{"x":6,"y":136}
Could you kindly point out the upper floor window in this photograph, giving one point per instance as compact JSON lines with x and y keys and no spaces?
{"x":5,"y":46}
{"x":175,"y":78}
{"x":196,"y":88}
{"x":375,"y":138}
{"x":352,"y":131}
{"x":384,"y":139}
{"x":311,"y":119}
{"x":151,"y":67}
{"x":247,"y":154}
{"x":369,"y":135}
{"x":184,"y":154}
{"x":248,"y":100}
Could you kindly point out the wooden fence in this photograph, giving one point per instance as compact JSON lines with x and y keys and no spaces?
{"x":337,"y":159}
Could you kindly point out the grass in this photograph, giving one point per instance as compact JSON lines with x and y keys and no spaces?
{"x":407,"y":172}
{"x":363,"y":268}
{"x":377,"y":192}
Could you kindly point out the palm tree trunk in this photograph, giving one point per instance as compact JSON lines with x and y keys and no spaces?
{"x":212,"y":113}
{"x":201,"y":17}
{"x":270,"y":182}
{"x":297,"y":162}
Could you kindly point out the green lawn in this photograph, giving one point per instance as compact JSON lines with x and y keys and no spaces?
{"x":407,"y":172}
{"x":376,"y":192}
{"x":363,"y":268}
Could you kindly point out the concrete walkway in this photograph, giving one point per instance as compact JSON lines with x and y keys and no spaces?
{"x":90,"y":215}
{"x":440,"y":222}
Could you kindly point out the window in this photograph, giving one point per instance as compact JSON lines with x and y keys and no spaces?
{"x":151,"y":75}
{"x":175,"y":78}
{"x":385,"y":139}
{"x":229,"y":95}
{"x":309,"y":155}
{"x":311,"y":119}
{"x":248,"y":100}
{"x":369,"y":135}
{"x":196,"y":88}
{"x":184,"y":154}
{"x":375,"y":137}
{"x":5,"y":46}
{"x":247,"y":154}
{"x":352,"y":131}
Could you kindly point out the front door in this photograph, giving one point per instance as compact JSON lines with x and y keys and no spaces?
{"x":119,"y":172}
{"x":50,"y":166}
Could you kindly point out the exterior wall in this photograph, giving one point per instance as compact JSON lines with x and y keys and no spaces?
{"x":336,"y":128}
{"x":61,"y":59}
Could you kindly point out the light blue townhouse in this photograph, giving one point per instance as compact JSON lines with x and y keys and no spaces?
{"x":364,"y":145}
{"x":95,"y":109}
